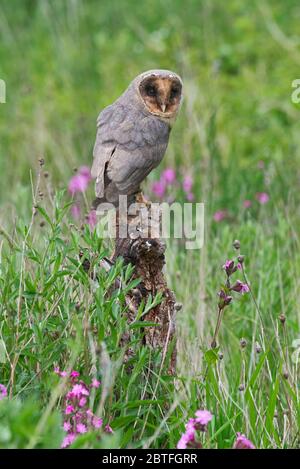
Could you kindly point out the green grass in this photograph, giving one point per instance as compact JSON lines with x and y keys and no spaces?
{"x":62,"y":62}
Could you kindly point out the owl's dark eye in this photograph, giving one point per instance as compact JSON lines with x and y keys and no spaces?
{"x":151,"y":90}
{"x":174,"y":92}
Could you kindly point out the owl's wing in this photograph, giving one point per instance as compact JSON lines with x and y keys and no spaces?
{"x":142,"y":142}
{"x":128,"y":169}
{"x":104,"y":146}
{"x":129,"y":145}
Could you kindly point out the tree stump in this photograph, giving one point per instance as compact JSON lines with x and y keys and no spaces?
{"x":147,"y":255}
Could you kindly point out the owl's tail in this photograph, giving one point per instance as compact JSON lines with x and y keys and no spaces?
{"x":113,"y":199}
{"x":103,"y":200}
{"x":96,"y":202}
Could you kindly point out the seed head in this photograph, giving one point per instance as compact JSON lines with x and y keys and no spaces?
{"x":236,"y":244}
{"x":285,"y":373}
{"x":243,"y":343}
{"x":282,"y":318}
{"x":257,"y":348}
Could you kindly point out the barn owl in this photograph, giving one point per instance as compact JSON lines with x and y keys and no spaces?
{"x":133,"y":134}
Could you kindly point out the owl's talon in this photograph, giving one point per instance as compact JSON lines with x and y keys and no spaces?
{"x":140,"y":199}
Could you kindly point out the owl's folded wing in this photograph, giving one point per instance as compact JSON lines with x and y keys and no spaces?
{"x":104,"y":147}
{"x":129,"y":144}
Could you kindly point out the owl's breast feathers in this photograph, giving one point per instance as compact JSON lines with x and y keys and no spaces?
{"x":131,"y":127}
{"x":129,"y":144}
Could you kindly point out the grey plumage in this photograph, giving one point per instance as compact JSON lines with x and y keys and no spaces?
{"x":131,"y":141}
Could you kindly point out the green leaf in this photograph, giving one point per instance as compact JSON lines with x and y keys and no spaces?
{"x":2,"y":352}
{"x":44,"y":214}
{"x":211,"y":356}
{"x":136,"y":325}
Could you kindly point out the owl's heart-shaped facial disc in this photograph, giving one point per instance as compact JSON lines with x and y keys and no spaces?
{"x":161,"y":94}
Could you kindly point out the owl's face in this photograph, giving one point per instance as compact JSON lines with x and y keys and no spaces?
{"x":161,"y":94}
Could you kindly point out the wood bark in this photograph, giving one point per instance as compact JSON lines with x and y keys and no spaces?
{"x":147,"y":255}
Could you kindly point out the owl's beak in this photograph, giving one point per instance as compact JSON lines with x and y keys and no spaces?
{"x":163,"y":107}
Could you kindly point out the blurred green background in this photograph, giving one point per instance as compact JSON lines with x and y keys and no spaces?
{"x":238,"y":134}
{"x":63,"y":61}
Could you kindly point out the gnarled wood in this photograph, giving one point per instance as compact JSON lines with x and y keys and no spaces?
{"x":147,"y":255}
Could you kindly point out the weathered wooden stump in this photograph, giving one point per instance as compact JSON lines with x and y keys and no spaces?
{"x":147,"y":255}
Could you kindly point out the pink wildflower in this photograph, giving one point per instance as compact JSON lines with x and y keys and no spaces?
{"x":262,"y":197}
{"x":68,"y":440}
{"x":69,"y":410}
{"x":187,"y":184}
{"x":81,"y":428}
{"x":79,"y":390}
{"x":242,"y":442}
{"x":95,"y":383}
{"x":159,"y":188}
{"x":81,"y":418}
{"x":228,"y":264}
{"x":220,"y":215}
{"x":240,"y":287}
{"x":190,"y":425}
{"x":225,"y":299}
{"x":75,"y":211}
{"x":3,"y":392}
{"x":203,"y":417}
{"x":78,"y":183}
{"x":92,"y":219}
{"x":190,"y":196}
{"x":168,"y":176}
{"x":186,"y":438}
{"x":67,"y":426}
{"x":82,"y":401}
{"x":97,"y":422}
{"x":86,"y":172}
{"x":81,"y":180}
{"x":247,"y":203}
{"x":108,"y":429}
{"x":229,"y":267}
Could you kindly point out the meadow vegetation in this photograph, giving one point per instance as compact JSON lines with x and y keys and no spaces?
{"x":237,"y":142}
